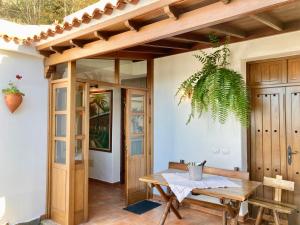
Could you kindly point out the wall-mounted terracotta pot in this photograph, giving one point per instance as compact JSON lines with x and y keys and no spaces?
{"x":13,"y":101}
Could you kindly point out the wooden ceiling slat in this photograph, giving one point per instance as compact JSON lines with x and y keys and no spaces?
{"x":229,"y":30}
{"x":269,"y":21}
{"x":196,"y":38}
{"x":146,"y":49}
{"x":169,"y":44}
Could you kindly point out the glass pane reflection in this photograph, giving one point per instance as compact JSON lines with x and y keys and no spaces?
{"x":60,"y":152}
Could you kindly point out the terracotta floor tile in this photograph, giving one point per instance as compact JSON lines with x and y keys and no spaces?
{"x":106,"y":203}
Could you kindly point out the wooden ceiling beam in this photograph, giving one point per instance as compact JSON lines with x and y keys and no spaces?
{"x":171,"y":12}
{"x":200,"y":18}
{"x":229,"y":30}
{"x":169,"y":44}
{"x":131,"y":25}
{"x":192,"y":38}
{"x":268,"y":20}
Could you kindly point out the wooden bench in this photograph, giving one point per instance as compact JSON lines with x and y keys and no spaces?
{"x":213,"y":171}
{"x":275,"y":205}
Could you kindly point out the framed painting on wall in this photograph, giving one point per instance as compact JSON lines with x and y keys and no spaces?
{"x":101,"y":120}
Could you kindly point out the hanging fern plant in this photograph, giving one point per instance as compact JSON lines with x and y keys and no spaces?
{"x":216,"y":88}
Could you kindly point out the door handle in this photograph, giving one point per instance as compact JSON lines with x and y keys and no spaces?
{"x":290,"y":154}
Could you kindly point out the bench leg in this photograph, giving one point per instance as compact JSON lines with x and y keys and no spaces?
{"x":259,"y":215}
{"x":276,"y":217}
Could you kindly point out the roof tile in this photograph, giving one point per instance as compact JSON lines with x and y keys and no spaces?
{"x":85,"y":16}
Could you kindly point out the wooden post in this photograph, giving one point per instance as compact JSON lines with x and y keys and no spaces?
{"x":70,"y":143}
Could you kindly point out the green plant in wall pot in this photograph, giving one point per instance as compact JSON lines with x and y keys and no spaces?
{"x":13,"y":96}
{"x":215,"y":88}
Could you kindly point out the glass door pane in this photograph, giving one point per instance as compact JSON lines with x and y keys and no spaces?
{"x":59,"y":123}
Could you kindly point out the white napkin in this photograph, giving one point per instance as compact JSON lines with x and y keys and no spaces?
{"x":181,"y":185}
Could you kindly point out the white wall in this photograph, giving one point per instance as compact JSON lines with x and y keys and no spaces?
{"x":106,"y":166}
{"x":23,"y":139}
{"x":222,"y":146}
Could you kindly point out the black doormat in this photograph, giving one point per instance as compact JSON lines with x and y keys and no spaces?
{"x":142,"y":207}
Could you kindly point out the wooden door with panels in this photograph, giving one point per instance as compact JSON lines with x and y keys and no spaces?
{"x":68,"y":163}
{"x":275,"y":125}
{"x":136,"y":144}
{"x":293,"y":144}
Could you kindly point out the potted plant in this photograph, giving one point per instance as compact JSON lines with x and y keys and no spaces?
{"x":13,"y":96}
{"x":215,"y":88}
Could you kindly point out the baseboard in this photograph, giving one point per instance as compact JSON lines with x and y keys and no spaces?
{"x":103,"y":182}
{"x":208,"y":208}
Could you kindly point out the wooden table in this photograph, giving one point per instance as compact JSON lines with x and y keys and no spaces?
{"x":230,"y":198}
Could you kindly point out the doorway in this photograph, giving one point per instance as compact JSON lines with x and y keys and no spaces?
{"x":275,"y":124}
{"x":70,"y":136}
{"x":120,"y":116}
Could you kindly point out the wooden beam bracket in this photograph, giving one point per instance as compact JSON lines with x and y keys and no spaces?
{"x":58,"y":49}
{"x":171,"y":12}
{"x":131,"y":25}
{"x":48,"y":71}
{"x":101,"y":35}
{"x":78,"y":43}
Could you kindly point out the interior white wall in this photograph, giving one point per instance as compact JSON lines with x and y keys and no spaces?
{"x":23,"y":139}
{"x":223,"y":146}
{"x":105,"y":166}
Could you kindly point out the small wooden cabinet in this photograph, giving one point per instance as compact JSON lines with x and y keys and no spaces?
{"x":293,"y":70}
{"x":269,"y":72}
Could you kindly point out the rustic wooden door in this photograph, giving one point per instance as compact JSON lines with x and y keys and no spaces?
{"x":60,"y":173}
{"x":268,"y":136}
{"x":293,"y":145}
{"x":136,"y":144}
{"x":275,"y":124}
{"x":68,"y":149}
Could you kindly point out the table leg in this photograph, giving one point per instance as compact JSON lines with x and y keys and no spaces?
{"x":167,"y":198}
{"x":166,"y":211}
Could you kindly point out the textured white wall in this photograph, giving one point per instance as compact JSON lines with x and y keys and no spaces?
{"x":223,"y":146}
{"x":106,"y":166}
{"x":23,"y":140}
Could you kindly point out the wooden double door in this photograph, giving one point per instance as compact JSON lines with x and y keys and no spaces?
{"x":275,"y":126}
{"x":69,"y":149}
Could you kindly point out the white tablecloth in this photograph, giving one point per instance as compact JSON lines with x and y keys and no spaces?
{"x":182,"y":186}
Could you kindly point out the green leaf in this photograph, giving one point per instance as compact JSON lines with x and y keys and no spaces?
{"x":215,"y":88}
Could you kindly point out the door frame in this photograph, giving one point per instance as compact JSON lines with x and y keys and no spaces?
{"x":71,"y":81}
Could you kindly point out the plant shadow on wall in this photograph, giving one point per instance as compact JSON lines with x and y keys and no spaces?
{"x":216,"y":88}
